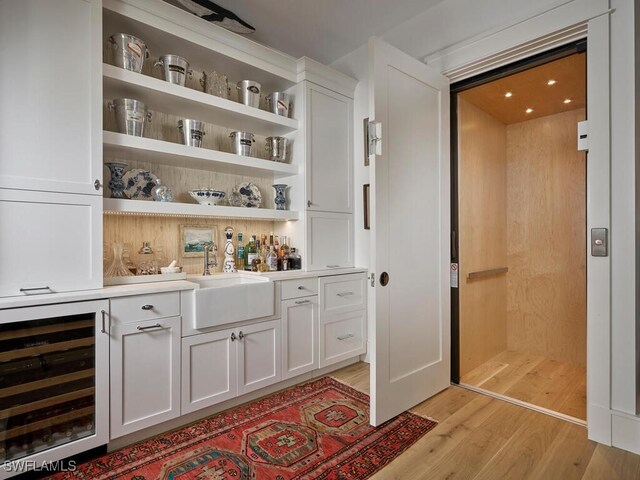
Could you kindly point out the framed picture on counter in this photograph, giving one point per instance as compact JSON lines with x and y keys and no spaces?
{"x":193,"y":238}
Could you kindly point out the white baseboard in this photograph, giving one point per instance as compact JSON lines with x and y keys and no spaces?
{"x":625,"y":432}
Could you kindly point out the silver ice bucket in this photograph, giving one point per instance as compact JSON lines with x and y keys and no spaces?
{"x":129,"y":52}
{"x":249,"y":93}
{"x":277,"y":148}
{"x":242,"y":143}
{"x":278,"y":103}
{"x":131,"y":115}
{"x":192,"y":132}
{"x":174,"y":68}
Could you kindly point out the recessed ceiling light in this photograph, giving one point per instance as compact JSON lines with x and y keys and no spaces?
{"x":551,"y":82}
{"x":528,"y":110}
{"x":566,"y":100}
{"x":508,"y":94}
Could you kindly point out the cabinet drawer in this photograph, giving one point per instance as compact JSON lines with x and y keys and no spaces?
{"x":299,"y":288}
{"x":342,"y":338}
{"x":343,"y":293}
{"x":145,"y":307}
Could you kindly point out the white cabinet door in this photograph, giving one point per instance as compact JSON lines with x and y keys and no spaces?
{"x":51,"y":115}
{"x":259,"y":356}
{"x":209,"y":373}
{"x":145,"y":374}
{"x":329,"y":147}
{"x":330,"y":240}
{"x":49,"y":242}
{"x":299,"y":336}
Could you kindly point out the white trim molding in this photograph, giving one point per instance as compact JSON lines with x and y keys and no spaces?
{"x":555,"y":27}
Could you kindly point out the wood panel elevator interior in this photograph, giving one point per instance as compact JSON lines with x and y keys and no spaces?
{"x":521,"y":228}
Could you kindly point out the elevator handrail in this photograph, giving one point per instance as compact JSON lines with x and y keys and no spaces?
{"x":486,"y":273}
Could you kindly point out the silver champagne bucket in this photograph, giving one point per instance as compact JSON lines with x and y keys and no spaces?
{"x":249,"y":93}
{"x":131,"y":116}
{"x":129,"y":52}
{"x":277,"y":148}
{"x":174,"y":68}
{"x":192,"y":132}
{"x":278,"y":103}
{"x":242,"y":143}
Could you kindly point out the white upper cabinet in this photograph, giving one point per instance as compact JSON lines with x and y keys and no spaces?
{"x":50,"y":92}
{"x":329,"y":150}
{"x":49,"y":242}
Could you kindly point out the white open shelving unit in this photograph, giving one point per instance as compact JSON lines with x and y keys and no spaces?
{"x":166,"y":29}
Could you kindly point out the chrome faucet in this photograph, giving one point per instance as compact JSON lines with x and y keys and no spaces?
{"x":209,"y":247}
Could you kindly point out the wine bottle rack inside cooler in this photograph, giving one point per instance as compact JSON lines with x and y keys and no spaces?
{"x":47,"y":383}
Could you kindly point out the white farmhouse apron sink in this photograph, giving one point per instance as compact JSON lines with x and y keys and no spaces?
{"x":232,"y":297}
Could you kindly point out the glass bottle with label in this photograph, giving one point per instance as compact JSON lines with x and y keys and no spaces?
{"x":252,"y":253}
{"x":272,"y":259}
{"x":240,"y":253}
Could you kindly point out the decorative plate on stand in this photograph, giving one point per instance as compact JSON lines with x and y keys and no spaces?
{"x":246,"y":195}
{"x":139,"y":184}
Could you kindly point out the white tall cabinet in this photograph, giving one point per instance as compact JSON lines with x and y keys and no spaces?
{"x":329,"y":182}
{"x":50,"y":146}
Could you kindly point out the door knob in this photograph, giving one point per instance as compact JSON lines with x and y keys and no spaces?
{"x":384,"y":279}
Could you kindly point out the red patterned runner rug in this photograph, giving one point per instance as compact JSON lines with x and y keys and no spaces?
{"x":319,"y":430}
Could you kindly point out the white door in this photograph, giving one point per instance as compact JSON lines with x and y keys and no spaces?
{"x":410,"y":232}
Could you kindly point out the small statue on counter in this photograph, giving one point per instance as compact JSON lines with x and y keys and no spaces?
{"x":229,"y":252}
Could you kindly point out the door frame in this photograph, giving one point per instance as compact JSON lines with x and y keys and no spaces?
{"x":574,"y":21}
{"x":576,"y":46}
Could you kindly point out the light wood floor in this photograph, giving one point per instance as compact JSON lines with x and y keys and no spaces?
{"x":482,"y":438}
{"x":534,"y":379}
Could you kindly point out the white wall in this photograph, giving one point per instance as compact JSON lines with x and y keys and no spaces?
{"x":455,"y":21}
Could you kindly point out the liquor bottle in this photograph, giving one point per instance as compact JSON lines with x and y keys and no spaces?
{"x":240,"y":253}
{"x":272,"y":259}
{"x":252,"y":253}
{"x":295,"y":260}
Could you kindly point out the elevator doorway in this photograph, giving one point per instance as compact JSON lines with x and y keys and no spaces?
{"x":519,"y":226}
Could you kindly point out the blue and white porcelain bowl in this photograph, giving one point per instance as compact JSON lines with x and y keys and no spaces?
{"x":207,"y":196}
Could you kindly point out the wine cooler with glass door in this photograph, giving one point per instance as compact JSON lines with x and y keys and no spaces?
{"x":53,"y":383}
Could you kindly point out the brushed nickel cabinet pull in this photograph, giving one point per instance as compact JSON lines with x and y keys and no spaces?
{"x":147,"y":307}
{"x":344,"y":337}
{"x":344,"y":294}
{"x":233,"y":336}
{"x":27,"y":291}
{"x":300,"y":302}
{"x":300,"y":287}
{"x":104,"y":321}
{"x":157,"y":325}
{"x":240,"y":335}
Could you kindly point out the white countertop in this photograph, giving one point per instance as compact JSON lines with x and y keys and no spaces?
{"x":154,"y":287}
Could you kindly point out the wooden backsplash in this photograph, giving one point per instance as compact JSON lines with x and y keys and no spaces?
{"x":164,"y":235}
